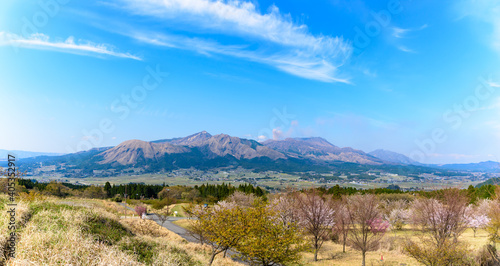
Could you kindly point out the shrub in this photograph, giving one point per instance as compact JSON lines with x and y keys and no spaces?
{"x":104,"y":230}
{"x":448,"y":253}
{"x":145,"y":251}
{"x":160,"y":204}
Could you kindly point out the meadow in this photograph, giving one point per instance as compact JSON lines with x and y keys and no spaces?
{"x":270,"y":181}
{"x":89,"y":232}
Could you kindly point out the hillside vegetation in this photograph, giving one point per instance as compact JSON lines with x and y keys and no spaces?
{"x":59,"y":232}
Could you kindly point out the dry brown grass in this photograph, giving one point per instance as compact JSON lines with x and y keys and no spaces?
{"x":150,"y":228}
{"x":22,"y":215}
{"x":57,"y":234}
{"x":391,"y":248}
{"x":56,"y":238}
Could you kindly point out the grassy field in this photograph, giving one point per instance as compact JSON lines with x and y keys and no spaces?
{"x":99,"y":237}
{"x":390,"y":249}
{"x":275,"y":180}
{"x":179,"y":209}
{"x":88,"y":232}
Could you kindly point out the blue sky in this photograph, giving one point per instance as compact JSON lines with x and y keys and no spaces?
{"x":417,"y":77}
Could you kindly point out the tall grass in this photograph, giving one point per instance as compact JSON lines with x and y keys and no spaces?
{"x":65,"y":234}
{"x":22,"y":215}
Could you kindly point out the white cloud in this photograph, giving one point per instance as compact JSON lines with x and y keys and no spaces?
{"x":369,"y":73}
{"x":262,"y":138}
{"x":484,"y":10}
{"x":277,"y":134}
{"x":399,"y":32}
{"x":405,"y":49}
{"x":402,"y":32}
{"x":494,"y":84}
{"x":42,"y":41}
{"x":281,"y":43}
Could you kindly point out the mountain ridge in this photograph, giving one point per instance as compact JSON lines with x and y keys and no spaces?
{"x":205,"y":150}
{"x":320,"y":149}
{"x":393,"y":157}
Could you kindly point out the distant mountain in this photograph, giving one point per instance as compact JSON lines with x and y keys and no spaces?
{"x":192,"y":140}
{"x":132,"y":151}
{"x":209,"y":147}
{"x":488,"y":166}
{"x":25,"y":154}
{"x":205,"y":151}
{"x":320,"y":149}
{"x":393,"y":157}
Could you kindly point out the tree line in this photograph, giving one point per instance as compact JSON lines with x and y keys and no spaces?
{"x":293,"y":222}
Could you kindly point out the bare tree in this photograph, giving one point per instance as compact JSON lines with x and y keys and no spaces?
{"x":442,"y":221}
{"x":316,"y":217}
{"x":163,"y":214}
{"x":444,"y":218}
{"x":366,"y":225}
{"x":194,"y":212}
{"x":342,"y":222}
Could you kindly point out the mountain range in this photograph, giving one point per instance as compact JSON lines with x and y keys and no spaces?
{"x":393,"y":157}
{"x":24,"y":154}
{"x":203,"y":150}
{"x":224,"y":146}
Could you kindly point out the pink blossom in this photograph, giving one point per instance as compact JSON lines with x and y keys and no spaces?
{"x":378,"y":225}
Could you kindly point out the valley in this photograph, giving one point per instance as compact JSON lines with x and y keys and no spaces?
{"x":275,"y":181}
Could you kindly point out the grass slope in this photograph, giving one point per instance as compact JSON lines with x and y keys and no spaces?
{"x":89,"y":233}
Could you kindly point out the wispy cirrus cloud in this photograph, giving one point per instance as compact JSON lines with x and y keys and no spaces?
{"x":483,"y":10}
{"x":43,"y":42}
{"x":405,"y":49}
{"x":270,"y":38}
{"x":403,"y":33}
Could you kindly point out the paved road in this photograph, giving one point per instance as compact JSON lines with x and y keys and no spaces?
{"x":179,"y":230}
{"x":173,"y":227}
{"x":169,"y":225}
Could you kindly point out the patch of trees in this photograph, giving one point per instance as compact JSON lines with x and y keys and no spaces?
{"x":133,"y":190}
{"x":217,"y":192}
{"x":294,"y":222}
{"x":31,"y":184}
{"x":277,"y":231}
{"x":255,"y":232}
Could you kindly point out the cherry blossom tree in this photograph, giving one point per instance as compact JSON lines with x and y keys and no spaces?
{"x":442,"y":220}
{"x":342,"y":222}
{"x":285,"y":209}
{"x":477,"y":221}
{"x":367,"y":227}
{"x":140,"y":210}
{"x":397,"y":218}
{"x":316,"y":216}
